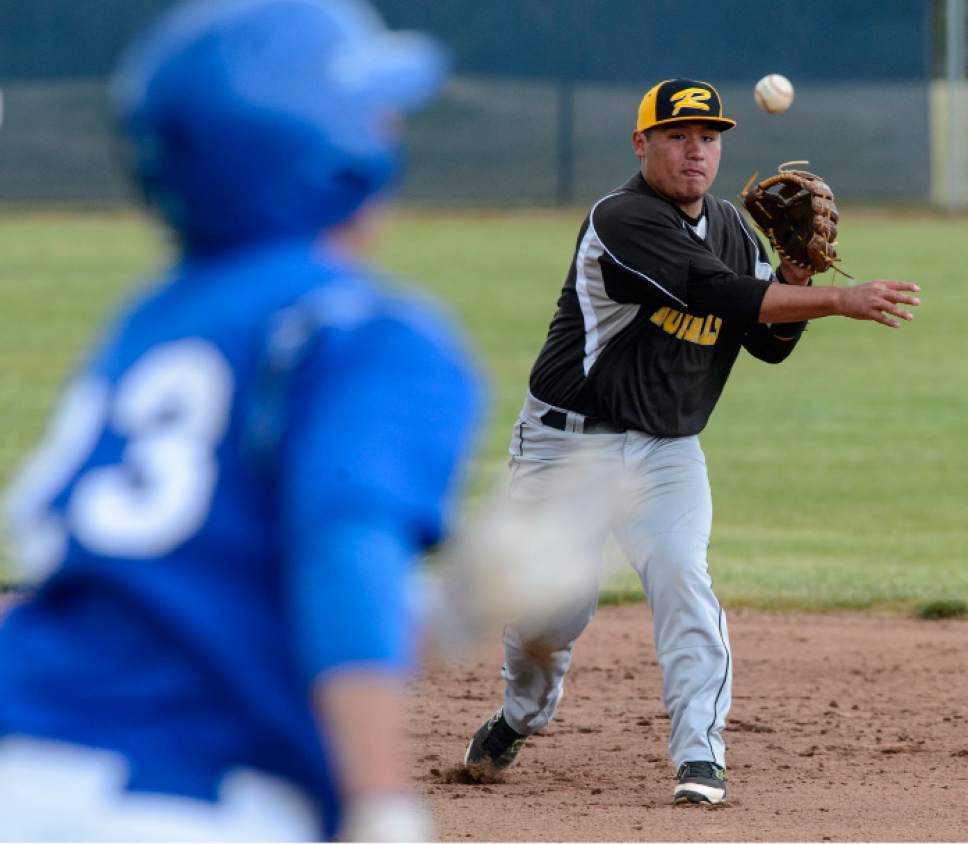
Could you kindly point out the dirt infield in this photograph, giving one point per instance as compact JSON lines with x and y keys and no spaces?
{"x":843,"y":728}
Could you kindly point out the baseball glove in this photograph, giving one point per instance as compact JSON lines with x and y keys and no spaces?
{"x":797,"y":213}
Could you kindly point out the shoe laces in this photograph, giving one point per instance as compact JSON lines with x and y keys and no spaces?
{"x":500,"y":737}
{"x":706,"y":770}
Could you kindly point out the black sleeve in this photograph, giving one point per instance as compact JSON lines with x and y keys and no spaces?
{"x":773,"y":343}
{"x":656,"y":261}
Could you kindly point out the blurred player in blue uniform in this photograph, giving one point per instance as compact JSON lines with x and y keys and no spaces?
{"x":231,"y":497}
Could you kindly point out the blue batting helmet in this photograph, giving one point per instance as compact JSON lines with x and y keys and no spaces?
{"x":249,"y":119}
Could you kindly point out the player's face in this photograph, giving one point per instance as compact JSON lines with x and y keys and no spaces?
{"x":680,"y":161}
{"x":361,"y":234}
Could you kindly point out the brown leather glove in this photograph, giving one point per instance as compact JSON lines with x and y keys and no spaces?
{"x":797,"y":213}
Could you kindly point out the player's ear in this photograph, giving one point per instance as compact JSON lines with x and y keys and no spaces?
{"x":640,"y":143}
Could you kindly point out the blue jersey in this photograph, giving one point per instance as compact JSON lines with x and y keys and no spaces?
{"x":225,"y":509}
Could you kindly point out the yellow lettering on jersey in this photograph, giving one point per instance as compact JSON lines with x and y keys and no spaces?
{"x":704,"y":331}
{"x":710,"y":331}
{"x":673,"y":321}
{"x":690,"y":98}
{"x":695,"y":328}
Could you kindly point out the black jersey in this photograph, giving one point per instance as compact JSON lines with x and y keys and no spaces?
{"x":654,"y":311}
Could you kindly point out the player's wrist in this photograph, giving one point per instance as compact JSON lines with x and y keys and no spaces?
{"x":788,"y":273}
{"x":842,"y":303}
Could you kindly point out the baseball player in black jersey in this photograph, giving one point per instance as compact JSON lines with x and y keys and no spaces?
{"x":667,"y":284}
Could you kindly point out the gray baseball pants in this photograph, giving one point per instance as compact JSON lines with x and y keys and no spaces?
{"x":663,"y":527}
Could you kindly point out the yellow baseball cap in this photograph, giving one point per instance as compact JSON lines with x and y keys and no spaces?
{"x":681,"y":100}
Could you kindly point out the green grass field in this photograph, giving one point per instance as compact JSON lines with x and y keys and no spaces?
{"x":840,"y":478}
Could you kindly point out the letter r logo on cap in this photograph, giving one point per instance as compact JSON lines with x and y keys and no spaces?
{"x":690,"y":98}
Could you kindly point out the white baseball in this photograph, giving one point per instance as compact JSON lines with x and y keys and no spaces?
{"x":773,"y":93}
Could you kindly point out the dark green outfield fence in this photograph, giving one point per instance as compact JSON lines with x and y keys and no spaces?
{"x":542,"y":101}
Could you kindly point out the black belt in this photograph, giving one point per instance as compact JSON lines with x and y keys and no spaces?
{"x":558,"y":419}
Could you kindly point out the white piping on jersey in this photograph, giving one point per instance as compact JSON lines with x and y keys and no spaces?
{"x":763,"y":270}
{"x":591,"y":225}
{"x":584,"y":299}
{"x":611,"y":317}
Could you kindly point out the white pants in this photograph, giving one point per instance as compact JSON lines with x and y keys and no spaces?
{"x":663,"y":527}
{"x":51,"y":791}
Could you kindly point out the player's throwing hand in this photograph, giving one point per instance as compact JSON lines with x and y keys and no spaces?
{"x":879,"y":301}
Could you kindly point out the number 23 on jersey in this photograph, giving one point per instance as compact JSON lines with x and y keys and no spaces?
{"x":170,"y":410}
